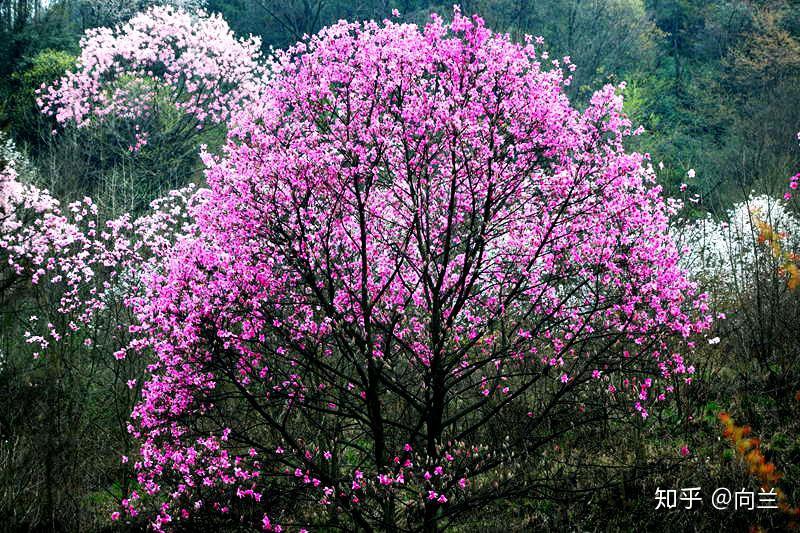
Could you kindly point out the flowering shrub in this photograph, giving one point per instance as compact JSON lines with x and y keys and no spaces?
{"x":728,"y":253}
{"x":191,"y":60}
{"x":82,"y":258}
{"x":747,"y":262}
{"x":415,"y":259}
{"x":65,"y":273}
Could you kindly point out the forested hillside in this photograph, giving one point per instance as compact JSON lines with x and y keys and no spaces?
{"x":399,"y":265}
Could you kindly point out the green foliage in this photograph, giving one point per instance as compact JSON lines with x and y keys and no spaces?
{"x":28,"y":123}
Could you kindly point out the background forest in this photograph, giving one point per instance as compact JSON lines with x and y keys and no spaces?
{"x":715,"y":86}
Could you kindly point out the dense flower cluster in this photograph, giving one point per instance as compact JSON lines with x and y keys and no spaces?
{"x":13,"y":192}
{"x":192,"y":60}
{"x":410,"y":234}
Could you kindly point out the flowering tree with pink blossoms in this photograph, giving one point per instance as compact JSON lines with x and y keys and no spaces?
{"x":417,"y":268}
{"x":145,"y":94}
{"x":194,"y":57}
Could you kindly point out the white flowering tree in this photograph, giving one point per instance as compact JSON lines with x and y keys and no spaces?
{"x":729,"y":253}
{"x":747,"y":262}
